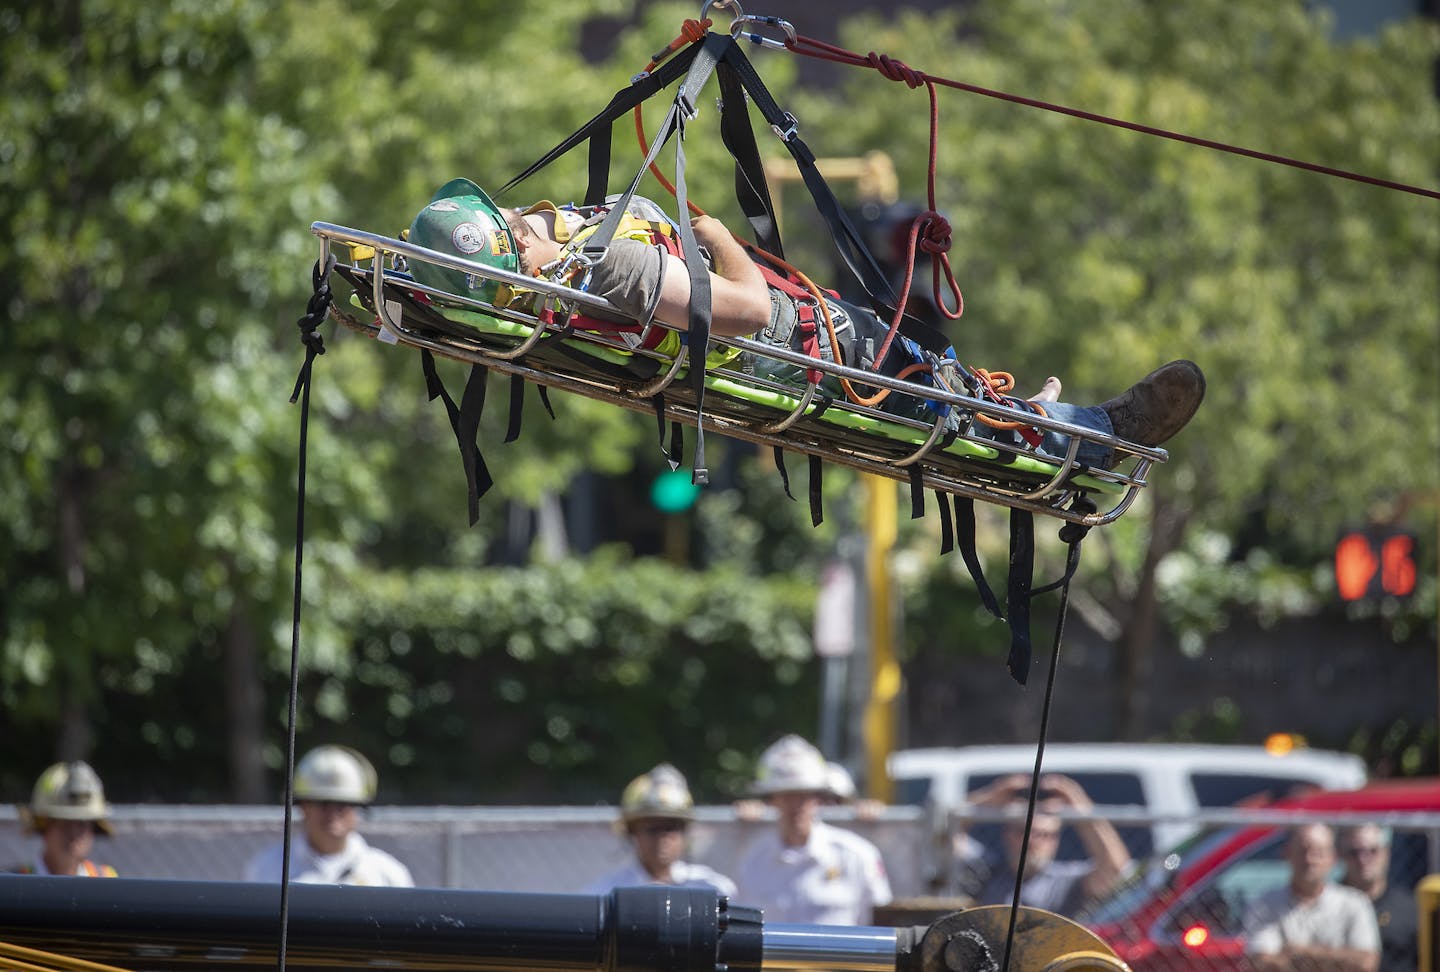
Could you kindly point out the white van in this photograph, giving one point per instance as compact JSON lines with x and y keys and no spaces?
{"x":1168,"y":780}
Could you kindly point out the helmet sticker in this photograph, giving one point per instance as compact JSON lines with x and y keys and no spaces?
{"x":445,"y":206}
{"x":468,"y":238}
{"x":499,"y":244}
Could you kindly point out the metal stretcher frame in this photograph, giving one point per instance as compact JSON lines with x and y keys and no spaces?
{"x":739,"y":405}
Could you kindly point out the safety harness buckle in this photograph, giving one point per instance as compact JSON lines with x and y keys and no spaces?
{"x":789,"y":132}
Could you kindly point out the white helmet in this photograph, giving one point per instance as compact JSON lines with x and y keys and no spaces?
{"x":68,"y":791}
{"x":335,"y":774}
{"x":662,"y":792}
{"x":841,"y":783}
{"x":791,"y":765}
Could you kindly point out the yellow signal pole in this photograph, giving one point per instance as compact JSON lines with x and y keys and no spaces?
{"x":885,"y":678}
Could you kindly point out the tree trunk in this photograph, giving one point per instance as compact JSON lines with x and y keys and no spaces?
{"x":75,"y":734}
{"x":1135,"y":647}
{"x":244,"y":706}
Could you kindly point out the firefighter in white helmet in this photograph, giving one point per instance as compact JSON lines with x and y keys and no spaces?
{"x":806,"y":871}
{"x":332,"y":783}
{"x":67,"y":809}
{"x":656,"y":810}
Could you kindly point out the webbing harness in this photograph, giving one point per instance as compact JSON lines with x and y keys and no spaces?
{"x":741,"y":85}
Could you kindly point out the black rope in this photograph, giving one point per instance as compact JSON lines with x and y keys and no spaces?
{"x":1072,"y":534}
{"x":315,"y":312}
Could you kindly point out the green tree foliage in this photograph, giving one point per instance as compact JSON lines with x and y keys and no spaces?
{"x":159,"y":164}
{"x":1096,"y":254}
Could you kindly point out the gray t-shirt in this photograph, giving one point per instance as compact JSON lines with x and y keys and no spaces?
{"x":629,"y":277}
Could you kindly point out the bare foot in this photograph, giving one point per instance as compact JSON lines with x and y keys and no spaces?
{"x":1049,"y":393}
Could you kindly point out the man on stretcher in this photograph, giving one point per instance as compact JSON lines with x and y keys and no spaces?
{"x":643,"y":275}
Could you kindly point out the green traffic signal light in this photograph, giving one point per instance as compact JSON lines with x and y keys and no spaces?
{"x":673,"y":492}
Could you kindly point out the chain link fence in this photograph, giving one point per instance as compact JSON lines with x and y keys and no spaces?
{"x":553,"y":850}
{"x":1182,"y":908}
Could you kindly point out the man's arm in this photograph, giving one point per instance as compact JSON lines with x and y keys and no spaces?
{"x":1102,"y":841}
{"x":739,"y":296}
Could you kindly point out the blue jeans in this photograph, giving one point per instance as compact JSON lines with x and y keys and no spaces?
{"x":1055,"y":444}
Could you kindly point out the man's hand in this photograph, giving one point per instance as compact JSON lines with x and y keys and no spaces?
{"x":1001,"y":792}
{"x":709,"y":230}
{"x":1061,"y":792}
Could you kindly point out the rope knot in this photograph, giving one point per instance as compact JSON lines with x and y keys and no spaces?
{"x":895,"y":70}
{"x":694,"y":30}
{"x":316,"y":308}
{"x":315,"y":312}
{"x":935,"y":231}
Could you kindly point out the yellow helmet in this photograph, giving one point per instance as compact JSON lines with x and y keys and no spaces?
{"x":662,"y":792}
{"x":335,"y":774}
{"x":791,"y":765}
{"x":68,"y":791}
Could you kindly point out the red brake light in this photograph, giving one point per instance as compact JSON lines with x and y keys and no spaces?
{"x":1196,"y":935}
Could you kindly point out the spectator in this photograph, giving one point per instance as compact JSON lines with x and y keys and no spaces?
{"x":806,"y":871}
{"x":332,"y":783}
{"x":67,"y":809}
{"x":656,"y":810}
{"x":1366,"y":853}
{"x":1065,"y":887}
{"x":1312,"y":922}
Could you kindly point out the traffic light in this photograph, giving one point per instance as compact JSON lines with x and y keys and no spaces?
{"x":673,"y":492}
{"x":1374,"y":563}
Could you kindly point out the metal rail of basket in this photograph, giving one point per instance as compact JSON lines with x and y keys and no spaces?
{"x":375,"y":266}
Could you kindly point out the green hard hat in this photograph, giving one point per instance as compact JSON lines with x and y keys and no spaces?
{"x":461,"y":220}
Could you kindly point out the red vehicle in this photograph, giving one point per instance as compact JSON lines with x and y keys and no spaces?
{"x":1183,"y":910}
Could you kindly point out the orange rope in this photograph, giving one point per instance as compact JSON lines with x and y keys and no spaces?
{"x":1000,"y":382}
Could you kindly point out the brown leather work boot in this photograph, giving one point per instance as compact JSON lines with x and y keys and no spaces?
{"x":1158,"y":405}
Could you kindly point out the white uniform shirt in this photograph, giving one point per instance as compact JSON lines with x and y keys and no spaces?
{"x":682,"y":874}
{"x":357,"y":863}
{"x":1340,"y":917}
{"x":835,"y":878}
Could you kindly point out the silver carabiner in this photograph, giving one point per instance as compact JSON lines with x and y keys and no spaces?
{"x":738,"y":32}
{"x":732,"y":5}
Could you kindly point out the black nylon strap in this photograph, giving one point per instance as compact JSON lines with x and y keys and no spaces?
{"x":624,"y":100}
{"x":545,"y":400}
{"x":947,"y":527}
{"x":784,"y":474}
{"x":965,"y":538}
{"x":677,"y":442}
{"x":817,"y":506}
{"x":517,"y":407}
{"x":1017,"y":600}
{"x":465,"y":423}
{"x":751,"y":189}
{"x":917,"y":491}
{"x":598,"y":182}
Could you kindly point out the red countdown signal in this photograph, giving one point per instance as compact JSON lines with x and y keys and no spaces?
{"x":1375,"y":563}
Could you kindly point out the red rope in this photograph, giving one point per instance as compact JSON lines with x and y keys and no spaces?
{"x":810,"y":47}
